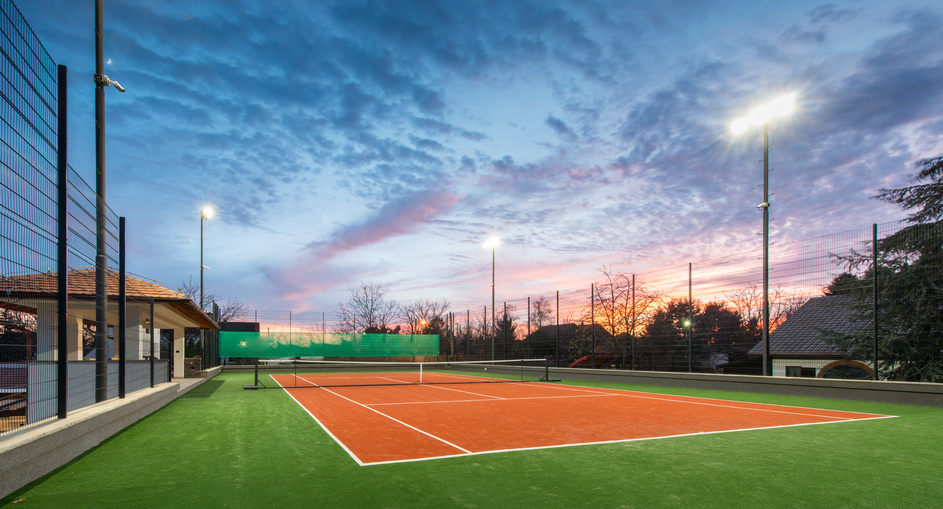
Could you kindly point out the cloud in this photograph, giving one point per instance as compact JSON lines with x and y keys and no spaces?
{"x":398,"y":217}
{"x":559,"y":127}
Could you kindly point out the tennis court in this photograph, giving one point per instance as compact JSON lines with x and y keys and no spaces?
{"x":390,"y":417}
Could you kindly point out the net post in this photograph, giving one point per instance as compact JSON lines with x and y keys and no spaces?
{"x":255,"y":384}
{"x":546,"y":377}
{"x":420,"y":372}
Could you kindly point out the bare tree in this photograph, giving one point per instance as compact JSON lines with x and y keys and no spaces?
{"x":623,"y":306}
{"x":17,"y":335}
{"x":541,"y":313}
{"x":229,"y":308}
{"x":423,"y":311}
{"x":366,"y":309}
{"x":783,"y":304}
{"x":748,"y":301}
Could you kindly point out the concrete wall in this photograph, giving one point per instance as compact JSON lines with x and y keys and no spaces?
{"x":32,"y":453}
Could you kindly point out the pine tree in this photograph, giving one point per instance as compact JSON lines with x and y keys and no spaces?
{"x":910,"y":285}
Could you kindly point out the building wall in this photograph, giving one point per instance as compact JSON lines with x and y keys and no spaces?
{"x":779,"y":365}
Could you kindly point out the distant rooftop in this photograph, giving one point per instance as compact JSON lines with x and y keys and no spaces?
{"x":802,"y":333}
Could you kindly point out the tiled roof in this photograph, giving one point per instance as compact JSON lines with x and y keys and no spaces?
{"x":82,"y":284}
{"x":802,"y":333}
{"x":82,"y":287}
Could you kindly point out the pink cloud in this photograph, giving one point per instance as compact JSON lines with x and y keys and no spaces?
{"x":307,"y":276}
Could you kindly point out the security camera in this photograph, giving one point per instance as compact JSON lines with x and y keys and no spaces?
{"x":764,"y":205}
{"x":104,"y":80}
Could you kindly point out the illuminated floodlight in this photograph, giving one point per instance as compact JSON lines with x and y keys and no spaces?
{"x":206,"y":212}
{"x":492,"y":243}
{"x":762,"y":114}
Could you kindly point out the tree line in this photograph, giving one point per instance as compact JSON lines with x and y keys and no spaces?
{"x":626,"y":322}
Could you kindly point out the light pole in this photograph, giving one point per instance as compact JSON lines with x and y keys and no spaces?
{"x":101,"y":245}
{"x":492,"y":243}
{"x":205,"y":213}
{"x":761,"y":116}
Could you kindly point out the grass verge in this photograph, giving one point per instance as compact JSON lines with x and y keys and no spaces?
{"x":222,"y":446}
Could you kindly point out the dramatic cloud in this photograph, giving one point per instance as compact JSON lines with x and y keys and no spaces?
{"x":346,"y":141}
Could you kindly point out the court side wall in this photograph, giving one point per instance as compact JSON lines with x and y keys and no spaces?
{"x":33,"y":453}
{"x":906,"y":393}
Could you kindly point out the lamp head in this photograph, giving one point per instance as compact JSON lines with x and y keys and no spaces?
{"x":492,"y":243}
{"x":206,"y":212}
{"x":781,"y":106}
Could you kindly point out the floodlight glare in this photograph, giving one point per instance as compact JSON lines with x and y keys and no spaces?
{"x":740,"y":125}
{"x":781,"y":106}
{"x":206,"y":212}
{"x":492,"y":243}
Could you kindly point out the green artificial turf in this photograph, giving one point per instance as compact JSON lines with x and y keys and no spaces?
{"x":222,"y":446}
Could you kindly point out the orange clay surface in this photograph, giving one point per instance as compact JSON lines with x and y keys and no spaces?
{"x":383,"y":424}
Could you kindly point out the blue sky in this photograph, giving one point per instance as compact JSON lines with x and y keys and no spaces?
{"x":352,"y":141}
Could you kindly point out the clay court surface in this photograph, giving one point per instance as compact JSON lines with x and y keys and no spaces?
{"x":440,"y":418}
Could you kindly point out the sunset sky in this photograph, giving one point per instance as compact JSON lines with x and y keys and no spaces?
{"x":345,"y":141}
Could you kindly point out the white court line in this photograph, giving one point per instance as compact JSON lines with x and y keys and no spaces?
{"x":559,"y":446}
{"x":693,"y":400}
{"x":325,"y":428}
{"x":489,"y":400}
{"x":446,"y":442}
{"x":730,"y":404}
{"x":458,"y":390}
{"x":589,"y":392}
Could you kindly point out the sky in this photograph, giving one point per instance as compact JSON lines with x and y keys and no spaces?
{"x":350,"y":141}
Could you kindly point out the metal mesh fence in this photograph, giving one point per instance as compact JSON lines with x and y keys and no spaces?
{"x":49,"y":230}
{"x":28,"y":204}
{"x":707,"y":316}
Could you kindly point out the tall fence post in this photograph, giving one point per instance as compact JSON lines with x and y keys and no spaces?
{"x":122,"y":313}
{"x":592,"y":323}
{"x":528,"y":327}
{"x":505,"y":326}
{"x":557,"y":331}
{"x":632,"y":335}
{"x":874,"y":292}
{"x":152,"y":341}
{"x":62,"y":253}
{"x":689,"y":324}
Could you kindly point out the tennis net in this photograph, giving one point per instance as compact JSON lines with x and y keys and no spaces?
{"x":292,"y":373}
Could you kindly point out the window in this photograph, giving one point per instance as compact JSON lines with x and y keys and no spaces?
{"x":799,"y":371}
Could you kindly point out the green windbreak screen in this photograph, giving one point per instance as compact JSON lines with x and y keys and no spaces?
{"x":325,"y":344}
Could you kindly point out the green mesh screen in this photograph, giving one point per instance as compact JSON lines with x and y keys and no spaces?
{"x":325,"y":344}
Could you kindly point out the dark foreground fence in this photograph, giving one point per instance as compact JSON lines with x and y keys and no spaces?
{"x":50,"y":361}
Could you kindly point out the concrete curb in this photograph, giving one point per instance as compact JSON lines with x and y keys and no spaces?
{"x":28,"y":455}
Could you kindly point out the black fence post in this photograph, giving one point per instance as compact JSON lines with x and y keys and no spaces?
{"x":122,"y":313}
{"x":62,"y":255}
{"x":874,"y":292}
{"x":152,"y":341}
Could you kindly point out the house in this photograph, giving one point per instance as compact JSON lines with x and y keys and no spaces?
{"x":798,"y":348}
{"x":37,"y":294}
